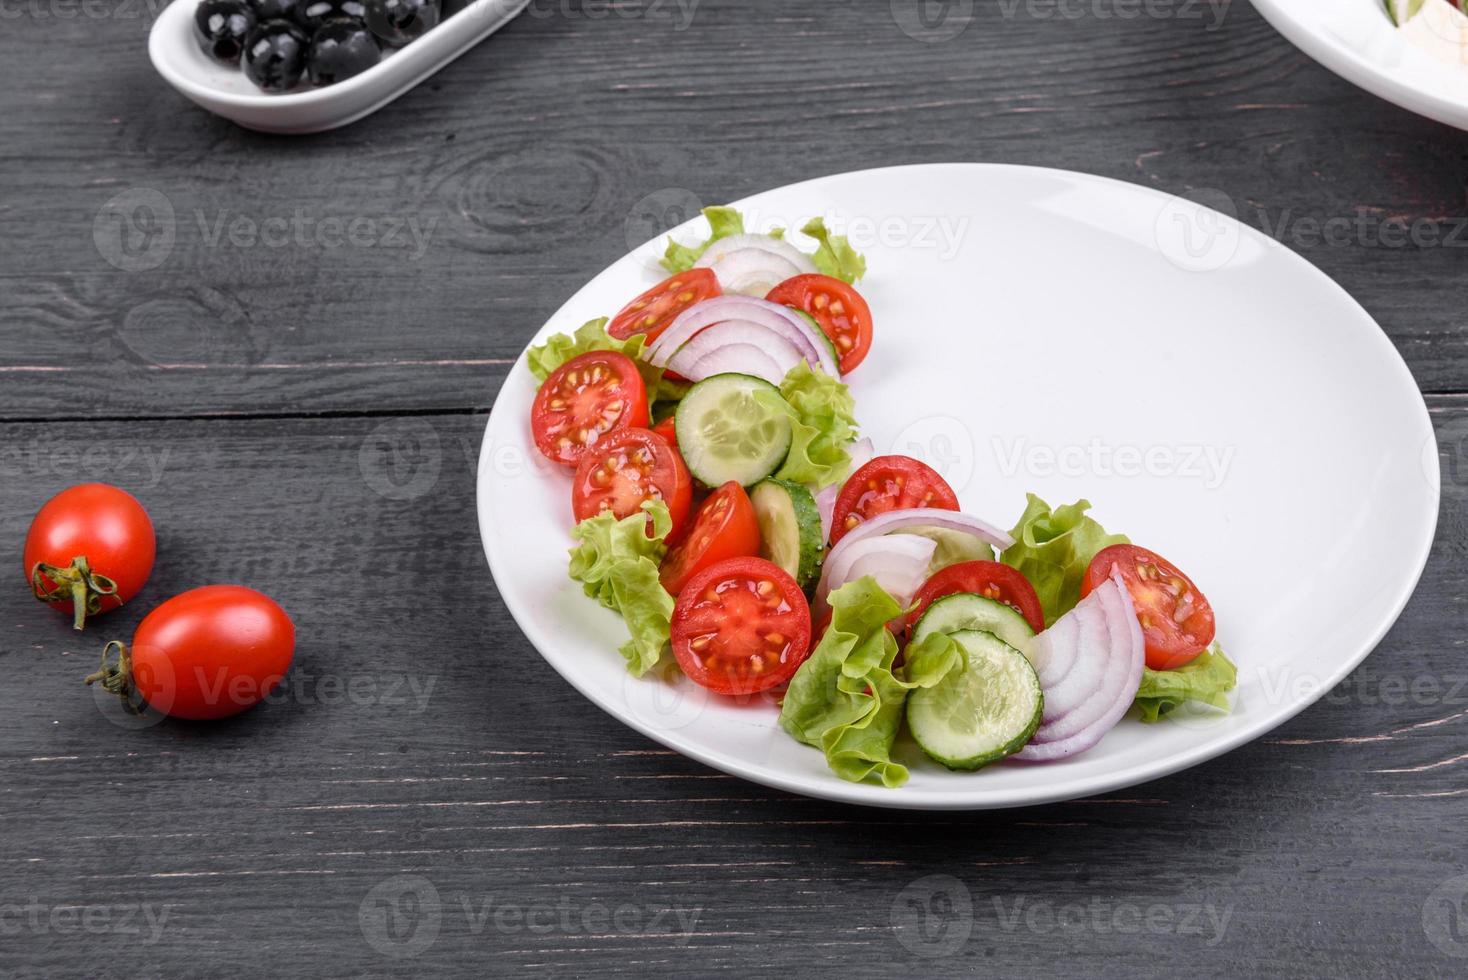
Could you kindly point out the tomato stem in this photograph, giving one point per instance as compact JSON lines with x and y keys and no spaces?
{"x":116,"y":678}
{"x":77,"y":582}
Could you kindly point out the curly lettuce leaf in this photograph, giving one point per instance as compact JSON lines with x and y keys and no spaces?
{"x":616,"y":563}
{"x":847,"y":700}
{"x":822,"y":424}
{"x":835,"y":257}
{"x":1053,"y":547}
{"x":1207,"y":679}
{"x":725,"y":222}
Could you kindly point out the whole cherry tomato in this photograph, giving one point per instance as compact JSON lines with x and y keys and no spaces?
{"x":90,"y":549}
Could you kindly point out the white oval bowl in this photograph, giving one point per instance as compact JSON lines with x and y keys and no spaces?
{"x":225,"y":91}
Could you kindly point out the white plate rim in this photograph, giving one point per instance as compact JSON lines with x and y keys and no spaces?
{"x":980,"y":799}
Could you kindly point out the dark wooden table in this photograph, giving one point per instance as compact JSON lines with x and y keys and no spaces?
{"x":301,"y":413}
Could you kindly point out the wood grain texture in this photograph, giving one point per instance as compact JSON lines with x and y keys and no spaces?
{"x":403,"y":808}
{"x":401,"y":753}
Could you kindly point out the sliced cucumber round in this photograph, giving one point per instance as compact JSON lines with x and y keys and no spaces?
{"x":726,"y":433}
{"x":982,"y":712}
{"x":789,"y":529}
{"x":968,"y":611}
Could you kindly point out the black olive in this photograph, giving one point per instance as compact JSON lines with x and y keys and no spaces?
{"x":221,"y":26}
{"x":313,"y":14}
{"x":397,"y":22}
{"x":275,"y":55}
{"x":275,"y":9}
{"x":339,"y":50}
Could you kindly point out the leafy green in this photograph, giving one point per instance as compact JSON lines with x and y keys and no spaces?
{"x":822,"y":424}
{"x":1052,"y":548}
{"x":1207,"y":679}
{"x":835,"y":257}
{"x":592,"y":335}
{"x":617,"y":564}
{"x":725,"y":222}
{"x":847,"y":700}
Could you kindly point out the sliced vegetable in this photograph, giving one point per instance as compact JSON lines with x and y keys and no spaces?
{"x":989,"y":579}
{"x":1095,"y":674}
{"x":837,"y":308}
{"x":954,"y":547}
{"x":889,"y":483}
{"x":617,"y":564}
{"x":89,"y":549}
{"x":1176,"y":618}
{"x":741,"y":626}
{"x":724,"y":222}
{"x":1053,"y":548}
{"x":736,"y":347}
{"x":754,"y":264}
{"x":655,"y":310}
{"x":724,"y":527}
{"x":628,"y":469}
{"x":967,"y":611}
{"x":789,"y":529}
{"x":1401,"y":11}
{"x":584,"y":400}
{"x":727,"y":432}
{"x":858,"y":454}
{"x":898,"y":563}
{"x":772,"y":319}
{"x":590,"y":336}
{"x":981,"y":712}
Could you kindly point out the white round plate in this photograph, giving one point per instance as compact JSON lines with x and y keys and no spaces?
{"x":1422,"y":67}
{"x":226,"y":92}
{"x":1215,"y":396}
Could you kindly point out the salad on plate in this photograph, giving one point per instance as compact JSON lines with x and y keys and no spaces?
{"x":728,"y":508}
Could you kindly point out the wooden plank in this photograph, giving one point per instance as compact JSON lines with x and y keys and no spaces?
{"x":521,"y":169}
{"x":421,"y":740}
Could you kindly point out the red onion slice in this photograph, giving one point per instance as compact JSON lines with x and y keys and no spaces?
{"x":1093,"y":655}
{"x":1053,"y":652}
{"x":779,"y":320}
{"x":774,"y":246}
{"x":736,"y":346}
{"x":1127,"y":657}
{"x":899,"y":564}
{"x":752,"y":271}
{"x":733,"y":359}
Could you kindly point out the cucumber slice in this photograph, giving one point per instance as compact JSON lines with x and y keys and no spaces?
{"x":819,"y":332}
{"x":1401,"y":11}
{"x":726,"y":433}
{"x":967,"y":611}
{"x":789,"y":529}
{"x":982,"y":713}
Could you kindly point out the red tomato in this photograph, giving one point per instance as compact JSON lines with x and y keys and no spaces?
{"x":625,"y":469}
{"x":583,"y":400}
{"x":205,"y":654}
{"x":90,"y":549}
{"x":655,"y":310}
{"x":1176,"y":619}
{"x":889,"y":483}
{"x":990,"y":579}
{"x":668,"y":431}
{"x":741,"y":627}
{"x":837,"y":307}
{"x":724,"y":527}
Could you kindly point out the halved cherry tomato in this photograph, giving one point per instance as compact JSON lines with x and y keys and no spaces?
{"x":741,"y":627}
{"x":583,"y":400}
{"x":837,"y":307}
{"x":668,"y":431}
{"x":655,"y":310}
{"x":626,"y":468}
{"x":889,"y":483}
{"x":724,"y":527}
{"x":1176,"y":619}
{"x":990,"y":579}
{"x":90,"y":549}
{"x":204,"y":654}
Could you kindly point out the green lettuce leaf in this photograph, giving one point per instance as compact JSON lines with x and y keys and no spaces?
{"x":592,"y":335}
{"x":822,"y":423}
{"x":1207,"y":679}
{"x":724,"y":221}
{"x":835,"y":257}
{"x":617,"y":564}
{"x":847,"y":700}
{"x":1052,"y":548}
